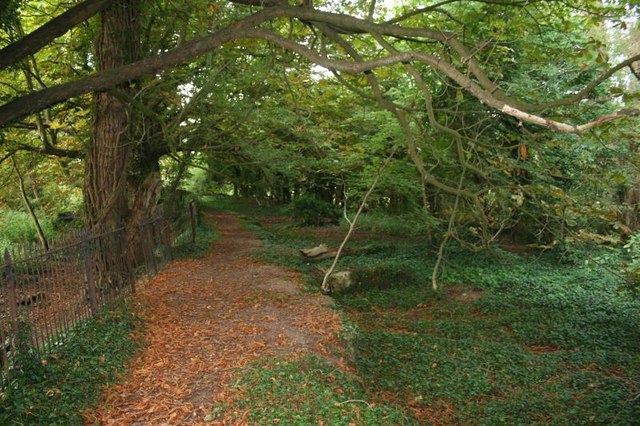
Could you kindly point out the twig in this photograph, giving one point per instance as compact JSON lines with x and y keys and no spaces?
{"x":447,"y":235}
{"x":338,"y":404}
{"x":352,"y":224}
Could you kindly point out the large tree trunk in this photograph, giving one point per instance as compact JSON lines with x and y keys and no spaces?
{"x":109,"y":154}
{"x":111,"y":149}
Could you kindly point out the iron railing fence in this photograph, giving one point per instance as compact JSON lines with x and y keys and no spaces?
{"x":45,"y":294}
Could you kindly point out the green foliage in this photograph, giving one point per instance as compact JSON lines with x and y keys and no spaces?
{"x":510,"y":340}
{"x":309,"y":210}
{"x":54,"y":390}
{"x":385,"y":275}
{"x":198,"y":183}
{"x":17,"y":227}
{"x":414,"y":223}
{"x":484,"y":381}
{"x":632,"y":268}
{"x":542,"y":336}
{"x":307,"y":391}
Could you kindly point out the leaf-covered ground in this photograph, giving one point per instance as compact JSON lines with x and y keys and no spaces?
{"x":214,"y":319}
{"x":511,"y":340}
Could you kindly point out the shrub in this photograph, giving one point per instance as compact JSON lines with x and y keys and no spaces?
{"x":308,"y":210}
{"x":412,"y":224}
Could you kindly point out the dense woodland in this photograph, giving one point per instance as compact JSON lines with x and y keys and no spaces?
{"x":468,"y":126}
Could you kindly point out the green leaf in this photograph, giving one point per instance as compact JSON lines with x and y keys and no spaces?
{"x":620,"y":179}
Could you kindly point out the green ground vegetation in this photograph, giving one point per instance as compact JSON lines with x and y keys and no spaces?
{"x":54,"y":390}
{"x":306,"y":391}
{"x":533,"y":338}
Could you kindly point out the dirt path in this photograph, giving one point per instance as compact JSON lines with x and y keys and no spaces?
{"x":207,"y":318}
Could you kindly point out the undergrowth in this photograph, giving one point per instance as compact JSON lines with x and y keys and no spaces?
{"x":54,"y":390}
{"x":509,"y":340}
{"x":206,"y":235}
{"x":306,"y":391}
{"x":186,"y":247}
{"x":17,"y":228}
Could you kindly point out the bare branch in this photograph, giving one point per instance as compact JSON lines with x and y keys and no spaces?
{"x":568,"y":128}
{"x":326,"y":287}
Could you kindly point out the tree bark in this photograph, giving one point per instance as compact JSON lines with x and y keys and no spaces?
{"x":109,"y":154}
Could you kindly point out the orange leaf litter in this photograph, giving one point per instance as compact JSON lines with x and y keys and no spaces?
{"x":207,"y":319}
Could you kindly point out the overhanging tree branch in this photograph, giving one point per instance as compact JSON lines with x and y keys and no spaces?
{"x":59,"y":25}
{"x":246,"y":28}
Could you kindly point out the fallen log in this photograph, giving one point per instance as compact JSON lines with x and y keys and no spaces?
{"x":315,"y":251}
{"x":327,"y":255}
{"x":324,"y":252}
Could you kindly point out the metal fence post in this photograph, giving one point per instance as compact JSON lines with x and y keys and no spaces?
{"x":12,"y":293}
{"x":125,"y":247}
{"x":91,"y":285}
{"x":166,"y":239}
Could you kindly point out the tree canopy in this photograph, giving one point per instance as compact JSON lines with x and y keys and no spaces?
{"x":523,"y":112}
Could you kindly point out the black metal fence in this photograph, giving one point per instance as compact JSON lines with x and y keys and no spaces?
{"x":44,"y":294}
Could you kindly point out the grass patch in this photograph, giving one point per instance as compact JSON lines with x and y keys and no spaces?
{"x":54,"y":390}
{"x":305,"y":391}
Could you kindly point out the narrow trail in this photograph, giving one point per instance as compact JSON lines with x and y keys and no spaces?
{"x":207,"y":319}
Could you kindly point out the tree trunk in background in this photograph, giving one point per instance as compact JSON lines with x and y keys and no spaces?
{"x":110,"y":151}
{"x":630,"y":194}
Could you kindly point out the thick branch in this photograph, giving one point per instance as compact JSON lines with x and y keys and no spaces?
{"x":52,"y":150}
{"x":464,"y":81}
{"x":262,"y":3}
{"x":59,"y":25}
{"x":568,"y":128}
{"x":245,"y":29}
{"x":103,"y":80}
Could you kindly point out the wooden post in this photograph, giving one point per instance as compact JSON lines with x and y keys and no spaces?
{"x":192,"y":216}
{"x":91,"y":285}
